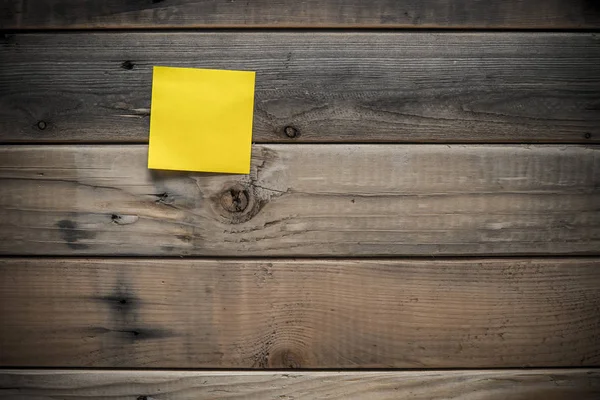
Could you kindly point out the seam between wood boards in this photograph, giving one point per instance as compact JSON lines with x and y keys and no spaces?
{"x":299,"y":28}
{"x":93,"y":143}
{"x":295,"y":370}
{"x":298,"y":143}
{"x":468,"y":258}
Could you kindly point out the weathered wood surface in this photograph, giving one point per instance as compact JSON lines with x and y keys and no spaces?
{"x":304,"y":200}
{"x":323,"y":86}
{"x":174,"y":313}
{"x":82,"y":14}
{"x":555,"y":384}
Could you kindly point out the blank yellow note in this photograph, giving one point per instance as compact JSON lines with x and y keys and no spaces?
{"x":201,"y":120}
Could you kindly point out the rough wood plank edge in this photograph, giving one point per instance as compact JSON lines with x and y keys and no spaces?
{"x":77,"y":14}
{"x":304,"y":200}
{"x":130,"y":313}
{"x":314,"y":86}
{"x":536,"y":384}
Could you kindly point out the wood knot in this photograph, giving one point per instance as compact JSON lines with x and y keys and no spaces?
{"x":286,"y":359}
{"x":237,"y":204}
{"x":42,"y":125}
{"x":587,"y":135}
{"x":163,"y":198}
{"x":235,"y":200}
{"x":291,"y":132}
{"x":127,"y":65}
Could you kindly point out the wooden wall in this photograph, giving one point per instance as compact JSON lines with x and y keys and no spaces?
{"x":421,"y":220}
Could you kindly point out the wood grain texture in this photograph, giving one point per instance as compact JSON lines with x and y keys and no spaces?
{"x":556,"y":384}
{"x":304,"y":200}
{"x":83,"y":14}
{"x":325,"y":86}
{"x":173,"y":313}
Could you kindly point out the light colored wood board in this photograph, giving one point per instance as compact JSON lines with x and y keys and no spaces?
{"x":536,"y":384}
{"x":78,"y":14}
{"x":327,"y":86}
{"x":215,"y":313}
{"x":304,"y":200}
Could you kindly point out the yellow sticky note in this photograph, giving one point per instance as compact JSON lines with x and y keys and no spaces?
{"x":201,"y":120}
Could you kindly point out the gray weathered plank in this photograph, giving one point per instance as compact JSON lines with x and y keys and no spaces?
{"x":215,"y":313}
{"x":82,"y":14}
{"x":325,"y":86}
{"x":304,"y":200}
{"x":555,"y":384}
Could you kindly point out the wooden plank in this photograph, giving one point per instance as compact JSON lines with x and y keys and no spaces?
{"x":322,"y":86}
{"x":215,"y":313}
{"x":78,"y":14}
{"x":555,"y":384}
{"x":304,"y":200}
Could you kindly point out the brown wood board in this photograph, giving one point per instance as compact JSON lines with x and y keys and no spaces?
{"x":554,"y":384}
{"x":85,"y":14}
{"x":215,"y":313}
{"x":304,"y":200}
{"x":322,"y":86}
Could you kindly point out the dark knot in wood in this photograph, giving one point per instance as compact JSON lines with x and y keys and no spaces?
{"x":235,"y":200}
{"x":237,"y":203}
{"x":291,"y":132}
{"x":42,"y":125}
{"x":127,"y":65}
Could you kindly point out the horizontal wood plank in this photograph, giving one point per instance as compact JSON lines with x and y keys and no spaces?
{"x":174,"y":313}
{"x":304,"y":200}
{"x":79,"y":14}
{"x":556,"y":384}
{"x":322,"y":86}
